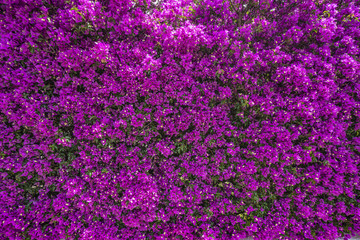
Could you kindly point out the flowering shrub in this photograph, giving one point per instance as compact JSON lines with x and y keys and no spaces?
{"x":180,"y":119}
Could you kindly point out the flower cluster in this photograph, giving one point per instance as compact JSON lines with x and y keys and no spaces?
{"x":180,"y":119}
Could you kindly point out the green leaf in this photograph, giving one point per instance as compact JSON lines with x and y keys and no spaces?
{"x":89,"y":173}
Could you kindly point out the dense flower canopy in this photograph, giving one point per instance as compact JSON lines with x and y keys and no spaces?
{"x":179,"y":119}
